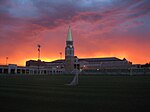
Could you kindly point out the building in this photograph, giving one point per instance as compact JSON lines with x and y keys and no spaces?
{"x":106,"y":65}
{"x":72,"y":62}
{"x":13,"y":69}
{"x":69,"y":53}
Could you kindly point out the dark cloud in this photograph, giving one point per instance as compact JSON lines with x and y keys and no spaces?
{"x":4,"y":2}
{"x":98,"y":21}
{"x":50,"y":13}
{"x":139,"y":9}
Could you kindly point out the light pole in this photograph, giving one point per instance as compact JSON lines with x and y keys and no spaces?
{"x":39,"y":46}
{"x":6,"y":60}
{"x":60,"y":55}
{"x":39,"y":51}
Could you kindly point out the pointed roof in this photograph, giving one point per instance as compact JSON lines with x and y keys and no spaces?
{"x":69,"y":36}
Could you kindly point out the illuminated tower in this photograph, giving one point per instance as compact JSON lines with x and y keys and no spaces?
{"x":69,"y":53}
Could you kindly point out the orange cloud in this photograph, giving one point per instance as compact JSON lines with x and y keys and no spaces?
{"x":120,"y":30}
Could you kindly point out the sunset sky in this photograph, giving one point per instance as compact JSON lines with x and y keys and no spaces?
{"x":101,"y":28}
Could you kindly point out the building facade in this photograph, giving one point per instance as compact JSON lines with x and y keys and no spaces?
{"x":70,"y":63}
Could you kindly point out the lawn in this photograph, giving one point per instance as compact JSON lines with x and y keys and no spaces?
{"x":94,"y":93}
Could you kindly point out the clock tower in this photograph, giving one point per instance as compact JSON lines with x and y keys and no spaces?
{"x":69,"y":53}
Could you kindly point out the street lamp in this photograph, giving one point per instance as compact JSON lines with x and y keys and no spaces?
{"x":39,"y":51}
{"x":6,"y":60}
{"x":60,"y":55}
{"x":39,"y":46}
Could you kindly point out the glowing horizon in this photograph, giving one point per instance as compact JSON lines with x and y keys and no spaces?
{"x":112,"y":28}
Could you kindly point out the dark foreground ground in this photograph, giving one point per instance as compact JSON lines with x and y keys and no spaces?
{"x":93,"y":94}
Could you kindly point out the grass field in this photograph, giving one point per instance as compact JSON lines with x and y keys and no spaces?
{"x":93,"y":94}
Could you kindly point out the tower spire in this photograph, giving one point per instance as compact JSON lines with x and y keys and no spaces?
{"x":69,"y":36}
{"x":69,"y":53}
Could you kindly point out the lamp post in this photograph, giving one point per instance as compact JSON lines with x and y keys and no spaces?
{"x":60,"y":55}
{"x":39,"y":46}
{"x":39,"y":51}
{"x":6,"y":60}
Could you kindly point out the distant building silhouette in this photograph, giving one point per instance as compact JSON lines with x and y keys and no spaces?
{"x":106,"y":65}
{"x":71,"y":62}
